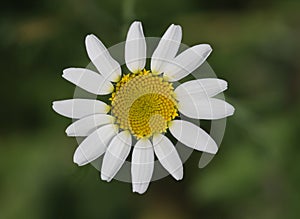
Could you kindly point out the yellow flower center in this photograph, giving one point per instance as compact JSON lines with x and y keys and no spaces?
{"x":143,"y":103}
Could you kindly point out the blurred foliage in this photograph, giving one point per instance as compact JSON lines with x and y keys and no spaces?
{"x":256,"y":49}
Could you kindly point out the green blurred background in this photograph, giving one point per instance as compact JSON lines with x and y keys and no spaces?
{"x":256,"y":49}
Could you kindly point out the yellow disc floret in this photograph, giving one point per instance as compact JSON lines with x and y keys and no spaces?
{"x":143,"y":103}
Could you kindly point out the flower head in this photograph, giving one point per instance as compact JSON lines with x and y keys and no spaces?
{"x":143,"y":105}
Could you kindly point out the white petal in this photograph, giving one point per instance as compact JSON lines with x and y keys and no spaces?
{"x":207,"y":87}
{"x":168,"y":156}
{"x":94,"y":145}
{"x":135,"y":48}
{"x":86,"y":125}
{"x":101,"y":58}
{"x":88,"y":80}
{"x":193,"y":136}
{"x":78,"y":108}
{"x":115,"y":155}
{"x":205,"y":108}
{"x":142,"y":165}
{"x":167,"y":48}
{"x":186,"y":62}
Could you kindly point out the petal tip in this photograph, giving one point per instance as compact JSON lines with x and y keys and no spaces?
{"x":89,"y":36}
{"x":209,"y":50}
{"x":79,"y":158}
{"x":206,"y":46}
{"x":54,"y":106}
{"x":212,"y":148}
{"x":136,"y":23}
{"x":104,"y":177}
{"x":90,"y":39}
{"x":203,"y":49}
{"x":231,"y":110}
{"x":178,"y":174}
{"x":139,"y":188}
{"x":70,"y":131}
{"x":66,"y":74}
{"x":178,"y":27}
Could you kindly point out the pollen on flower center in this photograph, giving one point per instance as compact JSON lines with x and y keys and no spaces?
{"x":143,"y":103}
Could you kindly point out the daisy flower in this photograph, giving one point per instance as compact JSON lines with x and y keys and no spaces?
{"x":143,"y":106}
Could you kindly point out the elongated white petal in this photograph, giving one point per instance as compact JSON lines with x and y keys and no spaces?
{"x":88,"y":80}
{"x":115,"y":155}
{"x":101,"y":58}
{"x":200,"y":88}
{"x":168,"y":156}
{"x":78,"y":108}
{"x":167,"y":48}
{"x":205,"y":108}
{"x":135,"y":48}
{"x":186,"y":62}
{"x":94,"y":145}
{"x":86,"y":125}
{"x":142,"y":165}
{"x":193,"y":136}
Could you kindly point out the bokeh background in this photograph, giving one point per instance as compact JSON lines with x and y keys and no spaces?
{"x":256,"y":49}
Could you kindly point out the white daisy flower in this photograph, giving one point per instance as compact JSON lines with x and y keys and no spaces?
{"x":144,"y":105}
